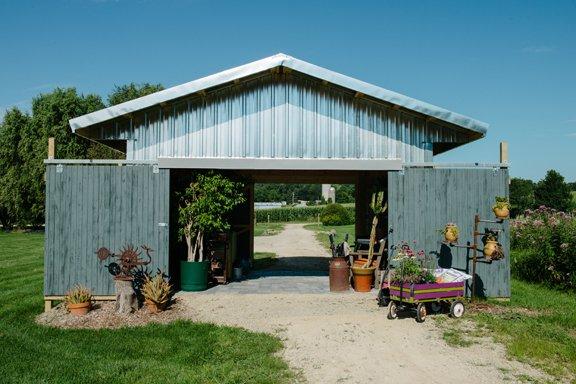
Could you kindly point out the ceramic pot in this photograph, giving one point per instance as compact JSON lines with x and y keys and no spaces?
{"x":450,"y":234}
{"x":489,"y":248}
{"x":363,"y":278}
{"x":79,"y":309}
{"x":153,"y":307}
{"x":501,"y":213}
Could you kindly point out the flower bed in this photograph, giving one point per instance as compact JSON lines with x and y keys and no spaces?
{"x":545,"y":244}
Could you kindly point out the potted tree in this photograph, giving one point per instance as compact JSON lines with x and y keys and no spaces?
{"x":78,"y":300}
{"x":204,"y":207}
{"x":502,"y":207}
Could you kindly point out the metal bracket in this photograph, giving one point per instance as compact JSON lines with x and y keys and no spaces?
{"x":155,"y":168}
{"x":162,"y":224}
{"x":59,"y":168}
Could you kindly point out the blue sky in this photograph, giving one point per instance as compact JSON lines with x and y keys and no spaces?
{"x":511,"y":64}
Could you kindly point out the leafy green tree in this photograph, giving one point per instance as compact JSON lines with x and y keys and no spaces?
{"x":131,"y":91}
{"x":344,"y":193}
{"x":553,"y":192}
{"x":11,"y":164}
{"x":521,"y":195}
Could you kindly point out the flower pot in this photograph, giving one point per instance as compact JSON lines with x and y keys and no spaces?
{"x":194,"y":275}
{"x":450,"y":233}
{"x":363,"y":278}
{"x":489,"y":248}
{"x":154,"y":307}
{"x":501,"y":212}
{"x":79,"y":309}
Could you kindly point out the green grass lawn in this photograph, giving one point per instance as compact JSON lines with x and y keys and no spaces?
{"x":268,"y":229}
{"x":341,"y":231}
{"x":537,"y":326}
{"x":181,"y":352}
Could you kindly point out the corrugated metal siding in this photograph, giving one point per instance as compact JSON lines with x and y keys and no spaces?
{"x":422,"y":200}
{"x":88,"y":207}
{"x":279,"y":116}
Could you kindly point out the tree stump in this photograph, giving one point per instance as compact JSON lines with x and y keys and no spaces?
{"x":126,"y":301}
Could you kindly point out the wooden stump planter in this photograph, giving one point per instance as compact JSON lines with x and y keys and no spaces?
{"x":126,"y":301}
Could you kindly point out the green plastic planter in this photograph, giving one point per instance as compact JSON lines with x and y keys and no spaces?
{"x":194,"y":275}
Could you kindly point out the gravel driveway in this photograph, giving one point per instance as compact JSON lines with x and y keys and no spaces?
{"x":345,"y":337}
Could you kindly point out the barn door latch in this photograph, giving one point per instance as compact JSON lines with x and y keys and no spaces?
{"x":155,"y":168}
{"x":59,"y":168}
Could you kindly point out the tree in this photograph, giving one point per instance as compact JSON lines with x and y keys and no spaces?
{"x":204,"y":207}
{"x":131,"y":91}
{"x":553,"y":192}
{"x":521,"y":195}
{"x":11,"y":164}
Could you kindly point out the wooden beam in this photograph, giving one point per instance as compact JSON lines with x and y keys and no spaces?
{"x":48,"y":300}
{"x":504,"y":152}
{"x":51,"y":148}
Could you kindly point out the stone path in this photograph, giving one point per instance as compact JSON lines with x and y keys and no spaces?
{"x":301,"y":265}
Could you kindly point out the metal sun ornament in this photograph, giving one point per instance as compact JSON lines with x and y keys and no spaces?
{"x":126,"y":260}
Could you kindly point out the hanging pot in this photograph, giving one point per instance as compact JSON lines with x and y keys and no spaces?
{"x":451,"y":233}
{"x":501,"y":212}
{"x":490,"y":248}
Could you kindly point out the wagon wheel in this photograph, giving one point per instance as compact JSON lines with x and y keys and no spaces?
{"x":392,"y":310}
{"x":421,"y":312}
{"x":435,"y":307}
{"x":457,"y":309}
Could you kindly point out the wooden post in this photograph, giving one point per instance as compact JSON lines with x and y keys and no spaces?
{"x":47,"y":305}
{"x":51,"y":148}
{"x":504,"y":152}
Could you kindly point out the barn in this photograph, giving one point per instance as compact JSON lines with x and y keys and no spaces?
{"x":275,"y":120}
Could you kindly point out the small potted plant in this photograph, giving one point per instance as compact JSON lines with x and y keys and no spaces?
{"x":156,"y":291}
{"x":204,"y":207}
{"x":451,"y":233}
{"x":491,"y":245}
{"x":78,"y":300}
{"x":502,"y":207}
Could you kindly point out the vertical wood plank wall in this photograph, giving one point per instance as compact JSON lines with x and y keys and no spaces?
{"x":88,"y":207}
{"x":423,"y":200}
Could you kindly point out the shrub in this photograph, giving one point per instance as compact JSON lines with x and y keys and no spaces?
{"x":545,"y":241}
{"x":335,"y":214}
{"x":288,"y":214}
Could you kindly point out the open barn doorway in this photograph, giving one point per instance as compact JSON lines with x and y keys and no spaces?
{"x":276,"y":235}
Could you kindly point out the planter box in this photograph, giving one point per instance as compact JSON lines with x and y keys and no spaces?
{"x":412,"y":293}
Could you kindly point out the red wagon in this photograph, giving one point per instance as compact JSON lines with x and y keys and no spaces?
{"x":423,"y":296}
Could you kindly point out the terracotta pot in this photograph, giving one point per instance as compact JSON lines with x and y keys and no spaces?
{"x":363,"y":278}
{"x":501,"y":213}
{"x":153,"y":307}
{"x":79,"y":309}
{"x":489,"y":248}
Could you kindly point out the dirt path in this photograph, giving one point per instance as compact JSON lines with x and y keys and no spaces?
{"x":346,"y":338}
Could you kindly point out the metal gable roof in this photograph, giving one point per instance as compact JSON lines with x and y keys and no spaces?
{"x":279,"y":60}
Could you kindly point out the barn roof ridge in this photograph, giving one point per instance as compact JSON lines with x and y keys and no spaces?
{"x":278,"y":60}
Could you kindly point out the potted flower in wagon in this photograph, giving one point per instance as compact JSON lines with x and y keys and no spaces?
{"x":451,"y":233}
{"x":204,"y":207}
{"x":78,"y":300}
{"x":502,"y":207}
{"x":156,"y":291}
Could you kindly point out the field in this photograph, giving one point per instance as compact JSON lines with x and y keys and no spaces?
{"x":179,"y":352}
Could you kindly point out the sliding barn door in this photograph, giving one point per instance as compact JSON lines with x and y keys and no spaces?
{"x":423,"y":200}
{"x":93,"y":206}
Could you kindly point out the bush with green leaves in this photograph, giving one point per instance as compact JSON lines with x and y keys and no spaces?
{"x":545,"y":243}
{"x":335,"y":214}
{"x":290,"y":214}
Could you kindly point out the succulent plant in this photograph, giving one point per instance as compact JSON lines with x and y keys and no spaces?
{"x":157,"y":289}
{"x":78,"y":294}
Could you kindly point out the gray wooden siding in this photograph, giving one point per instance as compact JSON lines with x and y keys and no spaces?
{"x":277,"y":116}
{"x":88,"y":207}
{"x":423,"y":200}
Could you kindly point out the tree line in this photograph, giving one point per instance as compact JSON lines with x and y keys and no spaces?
{"x":552,"y":191}
{"x":307,"y":192}
{"x":24,"y":139}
